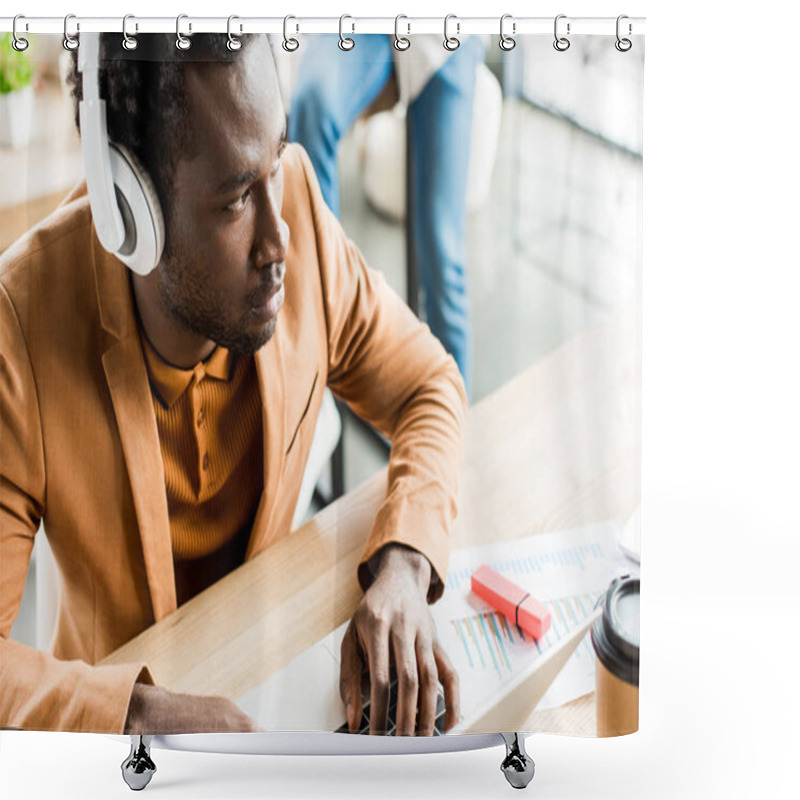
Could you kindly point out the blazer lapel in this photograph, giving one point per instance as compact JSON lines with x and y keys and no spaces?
{"x":126,"y":374}
{"x":271,"y":382}
{"x":133,"y":407}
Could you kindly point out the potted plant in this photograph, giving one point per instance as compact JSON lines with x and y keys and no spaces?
{"x":16,"y":94}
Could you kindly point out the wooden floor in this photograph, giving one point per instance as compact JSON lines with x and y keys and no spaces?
{"x":553,"y":251}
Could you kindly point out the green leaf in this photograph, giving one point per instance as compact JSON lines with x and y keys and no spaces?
{"x":16,"y":70}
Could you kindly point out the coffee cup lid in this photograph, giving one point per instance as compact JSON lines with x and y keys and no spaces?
{"x":616,"y":634}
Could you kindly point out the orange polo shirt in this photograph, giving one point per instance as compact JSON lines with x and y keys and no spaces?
{"x":209,"y":427}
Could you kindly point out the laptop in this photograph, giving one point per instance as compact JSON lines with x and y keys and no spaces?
{"x":305,"y":694}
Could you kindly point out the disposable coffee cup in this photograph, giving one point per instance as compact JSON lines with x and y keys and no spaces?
{"x":615,"y":638}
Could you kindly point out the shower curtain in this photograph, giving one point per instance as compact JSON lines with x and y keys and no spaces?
{"x":320,"y":386}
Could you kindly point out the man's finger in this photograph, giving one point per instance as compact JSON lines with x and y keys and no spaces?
{"x":352,"y":666}
{"x":449,"y":678}
{"x":377,"y":638}
{"x":405,"y":663}
{"x":428,"y":687}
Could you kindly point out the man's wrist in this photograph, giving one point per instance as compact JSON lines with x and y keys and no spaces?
{"x":396,"y":556}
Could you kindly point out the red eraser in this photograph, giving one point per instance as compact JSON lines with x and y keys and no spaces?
{"x":504,"y":595}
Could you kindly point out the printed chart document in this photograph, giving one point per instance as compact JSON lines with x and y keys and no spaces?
{"x":567,"y":571}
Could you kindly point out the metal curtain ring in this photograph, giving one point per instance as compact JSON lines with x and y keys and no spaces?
{"x":19,"y":43}
{"x":290,"y":44}
{"x":623,"y":45}
{"x":70,"y":42}
{"x":233,"y":42}
{"x":345,"y":42}
{"x":506,"y":42}
{"x":129,"y":42}
{"x":451,"y":42}
{"x":401,"y":42}
{"x":182,"y":42}
{"x":561,"y":43}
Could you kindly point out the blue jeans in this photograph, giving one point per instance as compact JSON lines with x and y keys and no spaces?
{"x":333,"y":88}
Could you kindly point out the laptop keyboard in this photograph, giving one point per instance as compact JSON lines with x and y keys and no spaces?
{"x":438,"y":725}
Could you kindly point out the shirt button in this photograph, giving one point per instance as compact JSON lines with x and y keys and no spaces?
{"x":200,"y":417}
{"x":205,"y":461}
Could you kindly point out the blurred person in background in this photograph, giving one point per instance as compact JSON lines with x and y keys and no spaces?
{"x":334,"y":87}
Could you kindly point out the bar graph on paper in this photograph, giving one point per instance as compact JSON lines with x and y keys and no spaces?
{"x":583,"y":557}
{"x":567,"y":571}
{"x":488,"y":640}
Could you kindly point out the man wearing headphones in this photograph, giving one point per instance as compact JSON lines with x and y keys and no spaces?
{"x":165,"y":339}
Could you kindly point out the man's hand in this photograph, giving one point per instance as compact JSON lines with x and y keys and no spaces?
{"x":394,"y":613}
{"x":153,"y":709}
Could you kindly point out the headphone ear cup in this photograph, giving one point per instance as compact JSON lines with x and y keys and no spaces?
{"x":141,"y":212}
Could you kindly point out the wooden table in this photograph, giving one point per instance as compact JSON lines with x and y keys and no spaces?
{"x":556,"y":447}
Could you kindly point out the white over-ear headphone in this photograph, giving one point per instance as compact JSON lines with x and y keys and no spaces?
{"x":125,"y":207}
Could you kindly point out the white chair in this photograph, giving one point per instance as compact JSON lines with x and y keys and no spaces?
{"x":326,"y":437}
{"x":48,"y":590}
{"x":382,"y":141}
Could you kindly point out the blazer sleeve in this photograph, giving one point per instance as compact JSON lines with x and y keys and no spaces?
{"x":38,"y":691}
{"x":393,"y":372}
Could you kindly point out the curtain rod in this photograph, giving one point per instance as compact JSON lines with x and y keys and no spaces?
{"x":514,"y":26}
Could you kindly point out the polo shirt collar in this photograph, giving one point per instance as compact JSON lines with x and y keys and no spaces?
{"x":169,"y":381}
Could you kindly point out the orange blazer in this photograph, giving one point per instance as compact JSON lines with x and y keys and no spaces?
{"x":79,"y":446}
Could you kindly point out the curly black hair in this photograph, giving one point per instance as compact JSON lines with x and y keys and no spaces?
{"x":145,"y":97}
